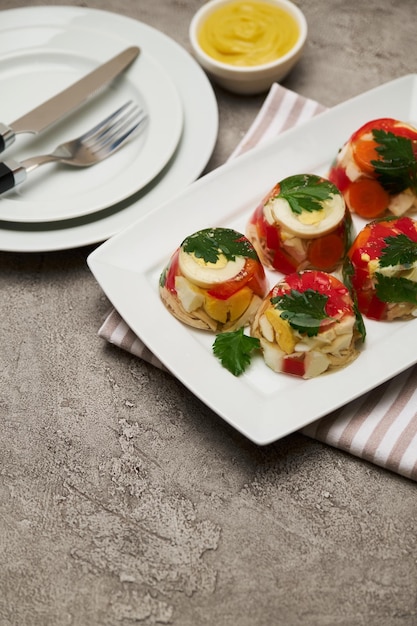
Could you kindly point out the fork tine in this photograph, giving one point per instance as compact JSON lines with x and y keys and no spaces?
{"x":101,"y":126}
{"x":116,"y":129}
{"x":120,"y":122}
{"x":123,"y":129}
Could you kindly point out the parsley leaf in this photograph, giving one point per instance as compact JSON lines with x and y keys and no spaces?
{"x":210,"y":243}
{"x":395,"y":289}
{"x":234,"y":350}
{"x":399,"y":250}
{"x":348,"y":272}
{"x":303,"y":310}
{"x":396,"y":170}
{"x":306,"y":192}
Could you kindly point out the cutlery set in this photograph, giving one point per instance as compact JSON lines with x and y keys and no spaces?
{"x":93,"y":146}
{"x":58,"y":209}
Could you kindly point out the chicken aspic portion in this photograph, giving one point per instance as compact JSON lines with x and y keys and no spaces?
{"x":302,"y":223}
{"x":376,"y":169}
{"x":307,"y":325}
{"x":382,"y":267}
{"x":214,"y":281}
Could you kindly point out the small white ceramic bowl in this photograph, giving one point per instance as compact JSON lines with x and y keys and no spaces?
{"x":247,"y":79}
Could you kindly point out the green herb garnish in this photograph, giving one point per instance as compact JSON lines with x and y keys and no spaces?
{"x":210,"y":243}
{"x":395,"y":289}
{"x":306,"y":192}
{"x":399,"y":250}
{"x":234,"y":350}
{"x":348,"y":271}
{"x":396,"y":170}
{"x":163,"y":277}
{"x":304,"y":310}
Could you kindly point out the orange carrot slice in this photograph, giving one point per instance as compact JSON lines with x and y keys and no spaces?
{"x":367,"y":198}
{"x":364,"y":151}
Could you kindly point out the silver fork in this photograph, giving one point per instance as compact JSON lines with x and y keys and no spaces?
{"x":96,"y":144}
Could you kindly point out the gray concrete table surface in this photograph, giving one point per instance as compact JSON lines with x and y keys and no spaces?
{"x":123,"y":499}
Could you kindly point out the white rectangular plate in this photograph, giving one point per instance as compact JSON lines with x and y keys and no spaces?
{"x":261,"y":404}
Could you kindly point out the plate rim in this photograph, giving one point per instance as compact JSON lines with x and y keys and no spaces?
{"x":106,"y":262}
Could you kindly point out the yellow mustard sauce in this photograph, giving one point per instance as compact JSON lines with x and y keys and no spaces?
{"x":247,"y":33}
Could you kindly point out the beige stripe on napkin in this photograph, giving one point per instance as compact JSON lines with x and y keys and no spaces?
{"x":380,"y":426}
{"x":282,"y":109}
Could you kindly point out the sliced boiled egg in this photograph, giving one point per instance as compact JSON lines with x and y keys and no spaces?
{"x":206,"y":274}
{"x":308,"y":224}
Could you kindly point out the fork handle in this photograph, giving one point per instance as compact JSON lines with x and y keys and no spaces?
{"x":12,"y":173}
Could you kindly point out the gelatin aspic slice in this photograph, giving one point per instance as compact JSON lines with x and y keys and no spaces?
{"x":376,"y":169}
{"x":214,"y":281}
{"x":302,"y":223}
{"x":307,"y":325}
{"x":382,"y":268}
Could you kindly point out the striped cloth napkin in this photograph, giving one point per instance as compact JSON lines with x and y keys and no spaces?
{"x":380,"y":426}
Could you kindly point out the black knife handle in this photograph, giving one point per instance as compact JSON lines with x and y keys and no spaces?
{"x":7,"y":136}
{"x":6,"y":178}
{"x":11,"y":174}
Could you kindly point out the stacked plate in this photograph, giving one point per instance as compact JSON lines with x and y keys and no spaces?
{"x":42,"y":51}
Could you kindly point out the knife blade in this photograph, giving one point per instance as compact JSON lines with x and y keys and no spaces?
{"x":67,"y":100}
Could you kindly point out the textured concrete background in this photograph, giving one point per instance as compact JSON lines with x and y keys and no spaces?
{"x":124,"y":500}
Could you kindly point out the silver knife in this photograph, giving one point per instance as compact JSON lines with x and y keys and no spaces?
{"x":66,"y":101}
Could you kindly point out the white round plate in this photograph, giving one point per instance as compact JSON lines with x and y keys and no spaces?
{"x":193,"y":151}
{"x":34,"y":74}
